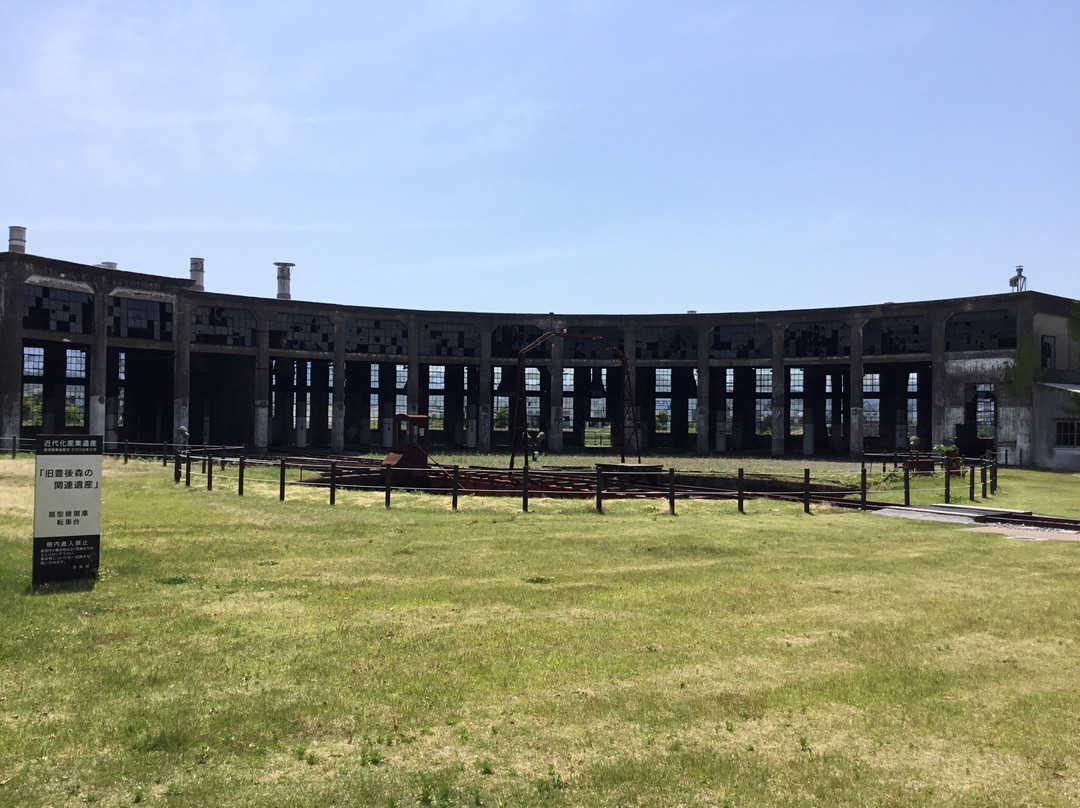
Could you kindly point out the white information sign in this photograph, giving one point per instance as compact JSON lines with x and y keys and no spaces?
{"x":67,"y":507}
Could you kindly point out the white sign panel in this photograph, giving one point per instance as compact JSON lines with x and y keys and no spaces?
{"x":67,"y":507}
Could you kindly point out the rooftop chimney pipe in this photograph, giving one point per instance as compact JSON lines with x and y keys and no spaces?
{"x":284,"y":291}
{"x":197,"y":274}
{"x":16,"y":239}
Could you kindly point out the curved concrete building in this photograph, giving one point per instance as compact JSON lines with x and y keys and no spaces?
{"x":93,"y":349}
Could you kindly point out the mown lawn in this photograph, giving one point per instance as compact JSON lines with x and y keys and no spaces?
{"x":242,"y":651}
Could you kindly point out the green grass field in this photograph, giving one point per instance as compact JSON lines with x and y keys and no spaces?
{"x":242,"y":651}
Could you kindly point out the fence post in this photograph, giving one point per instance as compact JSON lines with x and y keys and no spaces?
{"x":971,"y":482}
{"x":281,"y":481}
{"x":386,"y":484}
{"x":165,"y":454}
{"x":599,"y":491}
{"x":240,"y":477}
{"x":862,"y":489}
{"x":176,"y":468}
{"x":742,"y":490}
{"x":209,"y":476}
{"x":14,"y":446}
{"x":806,"y":490}
{"x":671,"y":490}
{"x":454,"y":496}
{"x":948,"y":478}
{"x":125,"y":452}
{"x":907,"y":486}
{"x":333,"y":483}
{"x":982,"y":479}
{"x":993,"y":477}
{"x":525,"y":490}
{"x":187,"y":471}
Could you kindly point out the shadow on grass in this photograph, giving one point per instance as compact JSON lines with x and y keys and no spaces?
{"x":62,"y":587}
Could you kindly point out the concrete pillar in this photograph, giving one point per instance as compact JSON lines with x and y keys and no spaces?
{"x":11,"y":348}
{"x":939,"y":430}
{"x":630,"y":349}
{"x":779,"y":392}
{"x":554,"y":433}
{"x":412,"y":385}
{"x":855,"y":428}
{"x":301,"y":402}
{"x":262,"y":383}
{"x":703,"y":390}
{"x":181,"y":365}
{"x":484,"y":393}
{"x":337,"y":426}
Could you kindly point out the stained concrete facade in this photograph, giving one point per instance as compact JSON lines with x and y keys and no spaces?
{"x":134,"y":357}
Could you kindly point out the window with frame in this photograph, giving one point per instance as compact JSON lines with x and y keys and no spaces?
{"x":436,"y":377}
{"x":33,"y":361}
{"x":1067,"y":434}
{"x":76,"y":363}
{"x":663,"y":415}
{"x":763,"y":380}
{"x":532,"y":380}
{"x":985,"y":410}
{"x":663,"y":380}
{"x":763,"y":416}
{"x":1048,"y":354}
{"x":436,"y":411}
{"x":795,"y":416}
{"x":33,"y":395}
{"x":75,"y":405}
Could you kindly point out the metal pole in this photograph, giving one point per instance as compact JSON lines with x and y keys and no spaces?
{"x":281,"y":481}
{"x":240,"y":477}
{"x":187,"y":471}
{"x":671,"y":491}
{"x":948,"y":478}
{"x":209,"y":476}
{"x":164,"y":454}
{"x":742,"y":490}
{"x":862,"y":489}
{"x":971,"y":481}
{"x":982,"y":479}
{"x":333,"y":483}
{"x":386,"y":483}
{"x":599,"y":491}
{"x":907,"y":486}
{"x":176,"y":467}
{"x":993,"y":477}
{"x":525,"y":485}
{"x":453,"y":501}
{"x":125,"y":452}
{"x":806,"y":490}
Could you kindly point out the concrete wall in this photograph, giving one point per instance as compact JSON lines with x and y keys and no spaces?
{"x":1051,"y":405}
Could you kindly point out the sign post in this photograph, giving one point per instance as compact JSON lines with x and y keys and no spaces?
{"x":67,"y":508}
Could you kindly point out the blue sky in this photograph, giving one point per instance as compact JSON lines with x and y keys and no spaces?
{"x":576,"y":157}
